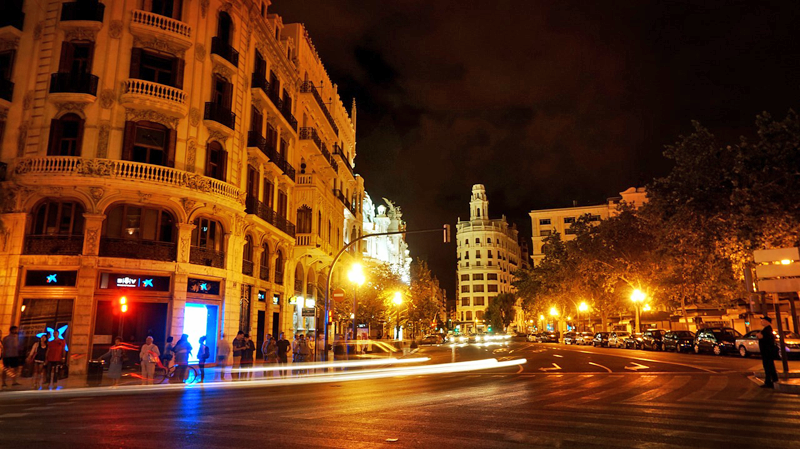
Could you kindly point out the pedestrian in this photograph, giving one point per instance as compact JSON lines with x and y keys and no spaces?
{"x":311,"y":345}
{"x":264,"y":346}
{"x":114,"y":355}
{"x":149,"y":357}
{"x":768,"y":349}
{"x":38,"y":356}
{"x":271,"y":354}
{"x":182,"y":350}
{"x":167,"y":355}
{"x":203,"y":354}
{"x":295,"y":349}
{"x":223,"y":351}
{"x":283,"y":347}
{"x":238,"y":344}
{"x":11,"y":356}
{"x":248,"y":357}
{"x":56,"y":355}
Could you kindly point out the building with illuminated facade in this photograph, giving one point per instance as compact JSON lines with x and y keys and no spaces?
{"x":193,"y":157}
{"x":389,"y":249}
{"x":488,"y":254}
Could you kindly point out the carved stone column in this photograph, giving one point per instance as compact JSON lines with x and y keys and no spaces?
{"x":184,"y":241}
{"x":91,"y":236}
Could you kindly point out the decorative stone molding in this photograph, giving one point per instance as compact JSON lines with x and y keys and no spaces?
{"x":15,"y":198}
{"x":102,"y":139}
{"x":200,"y":52}
{"x":27,"y":100}
{"x":80,"y":34}
{"x":37,"y":31}
{"x":253,"y":161}
{"x":194,"y":116}
{"x":96,"y":193}
{"x":188,"y":206}
{"x":107,"y":98}
{"x":22,"y":137}
{"x":159,"y":45}
{"x":191,"y":155}
{"x":222,"y":70}
{"x":69,"y":106}
{"x":135,"y":115}
{"x":9,"y":44}
{"x":144,"y":197}
{"x":115,"y":29}
{"x":92,"y":236}
{"x":204,"y":8}
{"x":216,"y":135}
{"x":55,"y":191}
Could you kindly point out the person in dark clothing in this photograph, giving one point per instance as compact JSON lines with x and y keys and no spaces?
{"x":283,"y":348}
{"x":248,"y":357}
{"x":203,"y":354}
{"x":766,"y":345}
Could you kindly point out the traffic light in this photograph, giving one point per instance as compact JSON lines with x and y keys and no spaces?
{"x":123,"y":304}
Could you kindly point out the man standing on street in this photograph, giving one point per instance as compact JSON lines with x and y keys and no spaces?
{"x":766,"y":345}
{"x":283,"y":349}
{"x":56,"y":356}
{"x":149,"y":358}
{"x":238,"y":345}
{"x":223,"y":351}
{"x":11,"y":356}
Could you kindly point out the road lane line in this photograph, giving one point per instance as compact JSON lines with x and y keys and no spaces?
{"x":601,"y":366}
{"x":648,"y":360}
{"x":557,"y":355}
{"x":674,"y":384}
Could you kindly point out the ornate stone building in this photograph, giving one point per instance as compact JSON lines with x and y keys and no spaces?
{"x":163,"y":151}
{"x":488,"y":255}
{"x":390,"y":249}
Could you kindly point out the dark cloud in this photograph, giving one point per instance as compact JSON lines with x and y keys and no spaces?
{"x":543,"y":102}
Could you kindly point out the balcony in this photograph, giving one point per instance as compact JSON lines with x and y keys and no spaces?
{"x":309,"y":88}
{"x":11,"y":23}
{"x":73,"y":87}
{"x":225,"y":51}
{"x":83,"y":11}
{"x":298,"y":286}
{"x":220,"y":118}
{"x":281,"y":108}
{"x":148,"y":24}
{"x":287,"y":168}
{"x":337,"y":151}
{"x":178,"y":181}
{"x":284,"y":225}
{"x":247,"y":267}
{"x":340,"y":195}
{"x":263,"y":273}
{"x":6,"y":90}
{"x":278,"y":276}
{"x":55,"y":245}
{"x":309,"y":133}
{"x":254,"y":206}
{"x":259,"y":81}
{"x":138,"y":249}
{"x":147,"y":95}
{"x":208,"y":257}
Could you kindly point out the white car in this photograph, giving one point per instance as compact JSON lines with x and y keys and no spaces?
{"x":617,"y":339}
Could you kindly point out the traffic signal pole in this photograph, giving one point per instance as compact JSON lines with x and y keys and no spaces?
{"x":446,"y":239}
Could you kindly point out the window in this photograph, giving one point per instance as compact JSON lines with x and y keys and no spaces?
{"x":594,"y":217}
{"x":221,"y":94}
{"x":252,"y":181}
{"x":272,"y":136}
{"x":131,"y":222}
{"x":464,"y":302}
{"x":491,"y":276}
{"x":66,"y":136}
{"x":490,"y":254}
{"x":279,"y":268}
{"x":466,"y":255}
{"x":477,"y":277}
{"x":477,"y":241}
{"x":479,"y":315}
{"x":464,"y":277}
{"x":216,"y":161}
{"x":282,"y":203}
{"x":465,"y":289}
{"x":466,"y":242}
{"x":304,"y":215}
{"x":544,"y":221}
{"x":284,"y":148}
{"x":545,"y":232}
{"x":488,"y":241}
{"x":149,"y":143}
{"x":469,"y":315}
{"x":167,"y":8}
{"x":224,"y":27}
{"x":6,"y":64}
{"x":207,"y":234}
{"x":256,"y":121}
{"x":247,"y":252}
{"x":477,"y":288}
{"x":478,"y":301}
{"x":156,"y":68}
{"x":478,"y":254}
{"x":569,"y":220}
{"x":274,"y":83}
{"x":492,"y":288}
{"x":76,"y":57}
{"x":269,"y":194}
{"x":58,"y":218}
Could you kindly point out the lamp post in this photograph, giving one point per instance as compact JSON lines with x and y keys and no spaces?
{"x":637,"y":296}
{"x":397,"y":299}
{"x":583,"y":308}
{"x":356,"y":276}
{"x":554,"y":314}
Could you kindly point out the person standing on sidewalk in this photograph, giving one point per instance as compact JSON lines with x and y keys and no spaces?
{"x":203,"y":354}
{"x":271,"y":355}
{"x":149,"y":358}
{"x":114,"y":356}
{"x":182,"y":351}
{"x":56,"y":355}
{"x":284,"y":347}
{"x":167,"y":355}
{"x":248,"y":358}
{"x":238,"y":344}
{"x":11,"y":356}
{"x":38,"y":356}
{"x":311,"y":345}
{"x":766,"y":345}
{"x":223,"y":351}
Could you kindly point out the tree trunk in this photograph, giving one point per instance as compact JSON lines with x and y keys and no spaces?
{"x":683,"y":311}
{"x":604,"y":317}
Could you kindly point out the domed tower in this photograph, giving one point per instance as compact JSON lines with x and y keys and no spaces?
{"x":478,"y":204}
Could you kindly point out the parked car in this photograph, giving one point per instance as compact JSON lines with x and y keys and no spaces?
{"x":551,"y":337}
{"x":653,"y":339}
{"x":432,"y":339}
{"x":678,"y":341}
{"x":719,"y":340}
{"x":533,"y":336}
{"x":569,"y":338}
{"x":748,"y":343}
{"x":519,"y":336}
{"x":584,"y":338}
{"x":634,"y":341}
{"x":617,"y":339}
{"x":600,"y":339}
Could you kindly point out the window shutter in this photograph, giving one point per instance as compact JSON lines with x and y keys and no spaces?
{"x":90,"y":62}
{"x":177,"y":72}
{"x":65,"y":64}
{"x":173,"y":138}
{"x":128,"y":140}
{"x":136,"y":62}
{"x":79,"y":142}
{"x":55,"y":137}
{"x":228,"y":95}
{"x":223,"y":165}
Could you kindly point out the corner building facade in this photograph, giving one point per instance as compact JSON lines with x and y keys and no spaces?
{"x":161,"y":151}
{"x":488,"y":255}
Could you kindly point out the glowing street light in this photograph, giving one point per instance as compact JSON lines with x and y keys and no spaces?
{"x":398,"y":298}
{"x":583,"y":307}
{"x":553,"y":311}
{"x":541,"y":317}
{"x":646,"y":308}
{"x":356,"y":274}
{"x":569,"y":318}
{"x":637,"y":296}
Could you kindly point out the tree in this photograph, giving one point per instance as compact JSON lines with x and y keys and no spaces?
{"x":501,"y":311}
{"x":424,"y":304}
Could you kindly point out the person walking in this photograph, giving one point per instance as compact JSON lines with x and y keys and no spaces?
{"x":223,"y":351}
{"x":114,"y":355}
{"x":283,"y":347}
{"x":167,"y":355}
{"x":238,"y":344}
{"x":766,"y":345}
{"x":56,"y":356}
{"x":38,"y":356}
{"x":303,"y":352}
{"x":149,"y":357}
{"x":182,"y":350}
{"x":11,"y":356}
{"x":248,"y":357}
{"x":203,"y":354}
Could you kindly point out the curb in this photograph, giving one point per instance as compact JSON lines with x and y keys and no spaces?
{"x":790,"y":374}
{"x":787,"y":388}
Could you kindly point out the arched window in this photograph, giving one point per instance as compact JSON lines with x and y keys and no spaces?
{"x":319,"y":223}
{"x":167,"y":8}
{"x":247,"y":256}
{"x":216,"y":161}
{"x":279,"y":268}
{"x":469,"y":315}
{"x":132,"y":222}
{"x":224,"y":27}
{"x":149,"y":143}
{"x":66,"y":136}
{"x":207,"y":243}
{"x":304,"y":220}
{"x":57,"y":228}
{"x":264,"y":263}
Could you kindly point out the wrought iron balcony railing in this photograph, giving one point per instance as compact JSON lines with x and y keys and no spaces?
{"x":263,"y":273}
{"x":222,"y":48}
{"x":259,"y":81}
{"x":56,"y":245}
{"x":309,"y":88}
{"x":206,"y":256}
{"x":138,"y":249}
{"x":220,"y":114}
{"x":78,"y":83}
{"x":247,"y":267}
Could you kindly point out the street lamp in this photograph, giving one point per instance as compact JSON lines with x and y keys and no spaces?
{"x":583,"y":308}
{"x":356,"y":276}
{"x":397,"y":299}
{"x":637,"y":296}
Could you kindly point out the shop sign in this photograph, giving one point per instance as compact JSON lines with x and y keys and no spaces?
{"x":47,"y":278}
{"x":276,"y":299}
{"x":202,"y":286}
{"x":262,"y":295}
{"x":308,"y":311}
{"x":135,"y":282}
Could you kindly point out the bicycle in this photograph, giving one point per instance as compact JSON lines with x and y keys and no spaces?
{"x":163,"y":373}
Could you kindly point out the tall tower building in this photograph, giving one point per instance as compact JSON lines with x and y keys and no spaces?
{"x":488,"y":254}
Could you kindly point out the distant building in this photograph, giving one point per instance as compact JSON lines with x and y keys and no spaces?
{"x":546,"y":222}
{"x":391,"y":249}
{"x":488,"y":255}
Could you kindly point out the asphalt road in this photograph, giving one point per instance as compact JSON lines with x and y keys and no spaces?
{"x":562,"y":397}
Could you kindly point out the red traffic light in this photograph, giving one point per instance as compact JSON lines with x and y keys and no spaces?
{"x":123,"y":304}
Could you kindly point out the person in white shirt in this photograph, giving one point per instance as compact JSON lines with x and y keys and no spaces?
{"x":149,"y":358}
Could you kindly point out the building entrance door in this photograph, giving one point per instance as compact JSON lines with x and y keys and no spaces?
{"x":260,"y":324}
{"x":276,"y":319}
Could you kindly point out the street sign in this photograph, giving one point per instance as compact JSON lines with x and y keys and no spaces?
{"x":308,"y":311}
{"x":778,"y":270}
{"x":775,"y":255}
{"x":338,"y":295}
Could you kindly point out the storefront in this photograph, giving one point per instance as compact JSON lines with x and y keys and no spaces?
{"x":201,"y":316}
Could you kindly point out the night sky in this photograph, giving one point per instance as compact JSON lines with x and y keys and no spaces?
{"x":544,"y":102}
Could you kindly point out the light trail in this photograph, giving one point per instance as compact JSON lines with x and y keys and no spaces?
{"x":308,"y":366}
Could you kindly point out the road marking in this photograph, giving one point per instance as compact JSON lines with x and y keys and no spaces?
{"x":559,"y":356}
{"x":555,"y":367}
{"x":636,"y":367}
{"x":36,"y":409}
{"x":601,"y":366}
{"x":14,"y":415}
{"x":610,"y":353}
